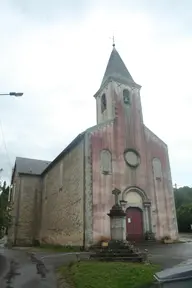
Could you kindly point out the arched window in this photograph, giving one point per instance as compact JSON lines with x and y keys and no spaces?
{"x":126,"y":97}
{"x":103,"y":103}
{"x":157,"y":169}
{"x":106,"y":162}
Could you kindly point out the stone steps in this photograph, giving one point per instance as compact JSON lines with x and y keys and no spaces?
{"x":117,"y":250}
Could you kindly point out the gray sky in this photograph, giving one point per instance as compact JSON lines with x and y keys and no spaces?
{"x":56,"y":53}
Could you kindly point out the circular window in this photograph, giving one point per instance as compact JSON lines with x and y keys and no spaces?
{"x":132,"y":158}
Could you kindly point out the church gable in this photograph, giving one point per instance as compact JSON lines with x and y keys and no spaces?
{"x":150,"y":136}
{"x":75,"y":142}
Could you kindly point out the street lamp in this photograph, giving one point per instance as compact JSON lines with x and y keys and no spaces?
{"x":15,"y":94}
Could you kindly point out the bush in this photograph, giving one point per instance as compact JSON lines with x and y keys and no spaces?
{"x":184,"y":217}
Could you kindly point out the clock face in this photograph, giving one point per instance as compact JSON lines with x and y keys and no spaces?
{"x":132,"y":158}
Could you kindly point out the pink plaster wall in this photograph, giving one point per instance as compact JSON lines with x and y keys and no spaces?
{"x":102,"y":184}
{"x":128,"y":131}
{"x":164,"y":217}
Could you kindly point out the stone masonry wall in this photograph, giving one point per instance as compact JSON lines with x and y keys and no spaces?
{"x":63,"y":198}
{"x":25,"y":202}
{"x":27,"y":225}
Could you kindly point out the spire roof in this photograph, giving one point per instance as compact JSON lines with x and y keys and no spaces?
{"x":116,"y":69}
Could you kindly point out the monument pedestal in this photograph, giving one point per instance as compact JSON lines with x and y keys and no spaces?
{"x":118,"y":249}
{"x":117,"y":222}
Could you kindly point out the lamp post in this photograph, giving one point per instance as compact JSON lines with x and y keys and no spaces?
{"x":15,"y":94}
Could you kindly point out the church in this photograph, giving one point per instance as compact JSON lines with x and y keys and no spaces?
{"x":66,"y":201}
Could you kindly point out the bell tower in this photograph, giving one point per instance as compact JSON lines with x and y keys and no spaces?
{"x":118,"y":94}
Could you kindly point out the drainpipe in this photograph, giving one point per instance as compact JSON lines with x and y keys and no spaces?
{"x":35,"y":217}
{"x":84,"y":204}
{"x":40,"y":210}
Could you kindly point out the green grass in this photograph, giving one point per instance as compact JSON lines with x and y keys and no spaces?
{"x":55,"y":248}
{"x":58,"y":248}
{"x":90,"y":274}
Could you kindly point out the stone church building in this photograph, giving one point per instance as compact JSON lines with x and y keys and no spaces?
{"x":66,"y":201}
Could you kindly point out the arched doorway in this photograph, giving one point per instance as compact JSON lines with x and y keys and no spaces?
{"x":134,"y":224}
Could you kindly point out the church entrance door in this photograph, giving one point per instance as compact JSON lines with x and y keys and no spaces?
{"x":134,"y":224}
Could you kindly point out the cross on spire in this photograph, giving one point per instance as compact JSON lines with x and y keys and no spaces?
{"x":113,"y":41}
{"x":116,"y":192}
{"x":116,"y":68}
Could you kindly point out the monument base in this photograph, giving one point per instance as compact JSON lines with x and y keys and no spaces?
{"x":118,"y":250}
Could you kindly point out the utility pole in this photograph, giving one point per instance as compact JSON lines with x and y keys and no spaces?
{"x":1,"y":170}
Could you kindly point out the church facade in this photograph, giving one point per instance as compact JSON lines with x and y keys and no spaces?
{"x":66,"y":201}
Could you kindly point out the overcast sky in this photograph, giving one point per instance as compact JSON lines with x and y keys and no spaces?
{"x":56,"y":53}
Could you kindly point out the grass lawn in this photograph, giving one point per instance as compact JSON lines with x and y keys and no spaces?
{"x":53,"y":248}
{"x":57,"y":248}
{"x":88,"y":274}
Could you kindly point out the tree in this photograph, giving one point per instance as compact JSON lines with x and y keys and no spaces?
{"x":183,"y":196}
{"x":183,"y":203}
{"x":4,"y":208}
{"x":184,"y":217}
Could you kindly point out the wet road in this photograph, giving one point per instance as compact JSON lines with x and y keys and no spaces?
{"x":2,"y":264}
{"x":27,"y":273}
{"x":168,"y":255}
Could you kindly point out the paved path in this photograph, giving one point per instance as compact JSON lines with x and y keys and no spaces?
{"x":168,"y":255}
{"x":28,"y":277}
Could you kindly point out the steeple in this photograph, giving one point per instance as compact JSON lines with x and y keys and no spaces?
{"x":116,"y":69}
{"x":117,"y":88}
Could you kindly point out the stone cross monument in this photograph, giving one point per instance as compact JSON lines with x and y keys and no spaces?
{"x":117,"y":219}
{"x":116,"y":192}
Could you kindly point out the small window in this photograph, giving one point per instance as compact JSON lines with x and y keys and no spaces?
{"x":126,"y":97}
{"x":106,"y":162}
{"x":103,"y":103}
